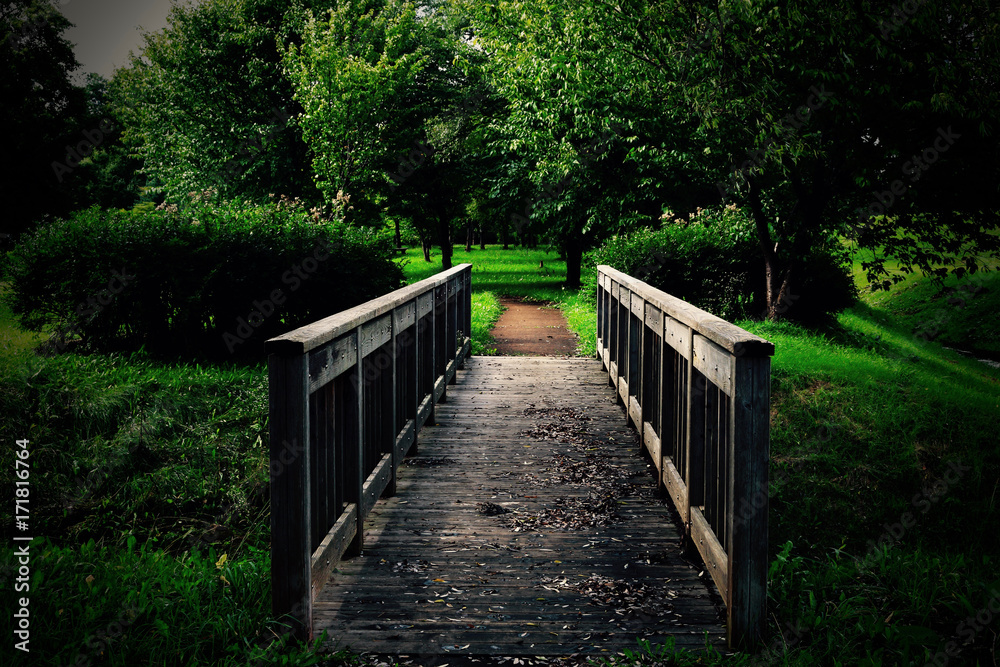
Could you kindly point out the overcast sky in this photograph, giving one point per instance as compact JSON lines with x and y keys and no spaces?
{"x":106,"y":30}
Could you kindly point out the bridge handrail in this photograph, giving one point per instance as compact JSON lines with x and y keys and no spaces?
{"x":347,"y":395}
{"x":697,"y":389}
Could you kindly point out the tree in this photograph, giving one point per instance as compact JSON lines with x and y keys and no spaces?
{"x":110,"y":176}
{"x":800,"y":113}
{"x":565,"y":156}
{"x":355,"y":77}
{"x":40,"y":112}
{"x":206,"y":105}
{"x":387,"y":113}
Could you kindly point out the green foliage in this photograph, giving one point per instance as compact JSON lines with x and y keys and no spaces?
{"x":174,"y":454}
{"x":581,"y":318}
{"x":209,"y":280}
{"x":388,"y":115}
{"x":486,"y":310}
{"x":109,"y":177}
{"x":806,"y":128}
{"x":711,"y":259}
{"x":957,"y":312}
{"x":354,"y":73}
{"x":205,"y":103}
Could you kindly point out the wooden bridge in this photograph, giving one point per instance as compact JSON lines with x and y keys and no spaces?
{"x":533,"y":517}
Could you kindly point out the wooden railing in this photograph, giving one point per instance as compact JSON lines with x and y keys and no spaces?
{"x":347,"y":396}
{"x":697,"y":389}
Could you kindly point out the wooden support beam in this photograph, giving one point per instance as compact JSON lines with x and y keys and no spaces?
{"x":291,"y":577}
{"x":748,"y":501}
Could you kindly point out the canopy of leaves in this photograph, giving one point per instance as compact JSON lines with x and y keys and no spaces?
{"x":803,"y":113}
{"x":356,"y":77}
{"x":207,"y":106}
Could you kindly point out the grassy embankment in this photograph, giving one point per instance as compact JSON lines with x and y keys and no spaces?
{"x":145,"y":474}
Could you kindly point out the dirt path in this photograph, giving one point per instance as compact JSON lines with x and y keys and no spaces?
{"x":534,"y":330}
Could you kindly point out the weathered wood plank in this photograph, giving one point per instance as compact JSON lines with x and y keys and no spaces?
{"x":748,"y":500}
{"x":728,"y":335}
{"x":715,"y":363}
{"x":376,"y":483}
{"x":313,"y":335}
{"x":711,"y":551}
{"x":375,"y":333}
{"x":490,"y":444}
{"x":331,"y":360}
{"x":333,"y":546}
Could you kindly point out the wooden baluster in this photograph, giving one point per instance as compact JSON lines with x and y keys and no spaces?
{"x":355,"y":448}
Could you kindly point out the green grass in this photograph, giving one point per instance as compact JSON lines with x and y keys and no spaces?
{"x":486,"y":310}
{"x":126,"y":451}
{"x":531,"y":275}
{"x":959,"y":313}
{"x":513,"y":273}
{"x":13,"y":339}
{"x":866,"y":422}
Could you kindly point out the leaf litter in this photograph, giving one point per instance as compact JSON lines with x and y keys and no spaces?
{"x":583,"y":463}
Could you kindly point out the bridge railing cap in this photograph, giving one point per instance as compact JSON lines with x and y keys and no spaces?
{"x":315,"y":334}
{"x":735,"y":339}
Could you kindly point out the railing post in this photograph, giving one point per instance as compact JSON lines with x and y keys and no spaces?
{"x":355,"y":462}
{"x":393,"y":388}
{"x":291,"y":551}
{"x":451,"y":317}
{"x":465,"y":311}
{"x":441,"y":340}
{"x":748,"y":500}
{"x":468,"y":305}
{"x":601,"y":334}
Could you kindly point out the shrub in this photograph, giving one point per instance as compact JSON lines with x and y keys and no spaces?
{"x":209,"y":280}
{"x":712,"y":260}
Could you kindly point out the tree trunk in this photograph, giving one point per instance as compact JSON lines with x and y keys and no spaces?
{"x":504,"y":239}
{"x":427,"y":250}
{"x":468,"y":236}
{"x":444,"y":238}
{"x":574,"y":260}
{"x":482,"y":236}
{"x":775,"y":286}
{"x":399,"y":239}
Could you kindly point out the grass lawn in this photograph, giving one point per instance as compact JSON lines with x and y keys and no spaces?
{"x":533,"y":275}
{"x":959,"y":313}
{"x":150,"y":480}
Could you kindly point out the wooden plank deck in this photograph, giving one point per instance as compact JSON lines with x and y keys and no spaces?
{"x":526,"y":524}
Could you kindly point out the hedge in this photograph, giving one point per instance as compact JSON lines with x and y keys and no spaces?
{"x":712,"y":260}
{"x":210,"y":281}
